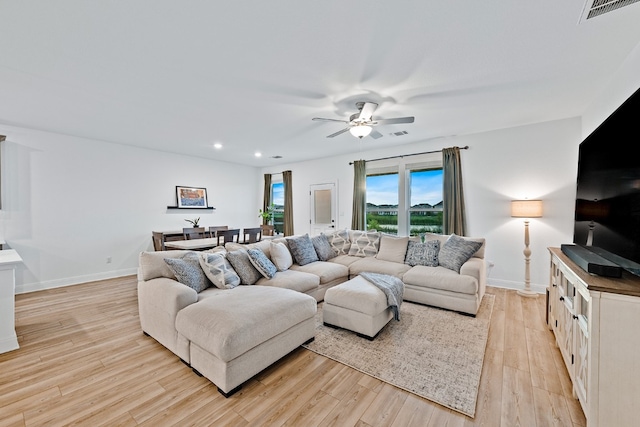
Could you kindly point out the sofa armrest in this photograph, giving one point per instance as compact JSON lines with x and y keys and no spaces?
{"x":159,"y":301}
{"x":476,"y":267}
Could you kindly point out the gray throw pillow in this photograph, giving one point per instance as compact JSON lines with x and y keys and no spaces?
{"x":323,"y":248}
{"x":456,"y":251}
{"x":188,"y":271}
{"x":302,"y":249}
{"x":423,"y":253}
{"x":218,"y":270}
{"x":241,"y":263}
{"x":262,"y":263}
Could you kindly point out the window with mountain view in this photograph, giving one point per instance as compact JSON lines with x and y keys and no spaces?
{"x":409,"y":209}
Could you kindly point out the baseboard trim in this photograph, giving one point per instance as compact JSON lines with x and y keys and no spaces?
{"x":69,"y":281}
{"x":518,"y":286}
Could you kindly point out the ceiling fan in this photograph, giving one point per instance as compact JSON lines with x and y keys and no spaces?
{"x":361,"y":124}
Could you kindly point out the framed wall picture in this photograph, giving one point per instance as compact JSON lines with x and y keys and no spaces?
{"x":191,"y":197}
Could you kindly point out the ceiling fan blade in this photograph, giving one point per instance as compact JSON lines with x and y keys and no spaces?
{"x":338,"y":133}
{"x":367,"y":110}
{"x":329,"y":120}
{"x":394,"y":121}
{"x":375,"y":134}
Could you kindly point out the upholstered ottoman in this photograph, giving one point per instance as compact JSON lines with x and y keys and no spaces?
{"x":236,"y":333}
{"x":358,"y":306}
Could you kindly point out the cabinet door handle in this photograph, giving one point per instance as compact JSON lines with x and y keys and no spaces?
{"x":561,"y":298}
{"x":554,"y":285}
{"x":575,"y":317}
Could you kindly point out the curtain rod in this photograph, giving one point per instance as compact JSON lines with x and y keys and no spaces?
{"x":466,"y":147}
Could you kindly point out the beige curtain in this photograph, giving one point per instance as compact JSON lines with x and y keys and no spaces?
{"x":267,"y":195}
{"x":288,"y":203}
{"x":453,"y":203}
{"x":359,"y":213}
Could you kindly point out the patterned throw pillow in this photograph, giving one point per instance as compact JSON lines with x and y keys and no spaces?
{"x":339,"y":241}
{"x":423,"y":253}
{"x":365,"y":243}
{"x":302,"y":249}
{"x":262,"y":263}
{"x":241,"y":263}
{"x":280,"y":255}
{"x":188,"y":272}
{"x":323,"y":248}
{"x":456,"y":251}
{"x":218,"y":270}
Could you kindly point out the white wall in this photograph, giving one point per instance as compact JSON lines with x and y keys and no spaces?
{"x":70,"y":203}
{"x":536,"y":161}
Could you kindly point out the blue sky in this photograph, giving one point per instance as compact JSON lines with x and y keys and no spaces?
{"x":426,"y":187}
{"x":278,"y":193}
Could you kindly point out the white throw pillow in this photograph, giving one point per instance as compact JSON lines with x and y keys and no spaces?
{"x":219,"y":270}
{"x":392,"y":248}
{"x":280,"y":256}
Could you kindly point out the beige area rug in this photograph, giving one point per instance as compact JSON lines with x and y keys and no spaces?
{"x":436,"y":354}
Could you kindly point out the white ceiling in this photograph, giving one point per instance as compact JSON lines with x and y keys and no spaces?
{"x":178,"y":76}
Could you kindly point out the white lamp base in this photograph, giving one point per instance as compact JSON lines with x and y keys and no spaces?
{"x":527,"y":293}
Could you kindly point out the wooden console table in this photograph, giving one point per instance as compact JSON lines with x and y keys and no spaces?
{"x":596,"y":322}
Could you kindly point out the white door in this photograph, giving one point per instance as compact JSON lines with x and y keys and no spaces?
{"x":323,"y":208}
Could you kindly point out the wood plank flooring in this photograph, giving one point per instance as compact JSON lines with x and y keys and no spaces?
{"x":83,"y":360}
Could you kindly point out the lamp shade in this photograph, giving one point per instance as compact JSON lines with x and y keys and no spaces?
{"x":360,"y":130}
{"x":526,"y":208}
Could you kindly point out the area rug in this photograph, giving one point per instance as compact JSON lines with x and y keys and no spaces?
{"x":433,"y":353}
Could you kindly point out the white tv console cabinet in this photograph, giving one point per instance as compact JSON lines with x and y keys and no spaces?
{"x":596,"y":322}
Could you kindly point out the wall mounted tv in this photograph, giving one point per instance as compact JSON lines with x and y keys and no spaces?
{"x":607,"y":209}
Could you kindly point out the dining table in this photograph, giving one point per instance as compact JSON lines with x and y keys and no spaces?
{"x":193,"y":244}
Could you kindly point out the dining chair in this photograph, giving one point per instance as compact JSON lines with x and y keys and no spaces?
{"x":193,"y":233}
{"x":229,"y":235}
{"x":213,"y":229}
{"x":267,"y":229}
{"x":252,"y":235}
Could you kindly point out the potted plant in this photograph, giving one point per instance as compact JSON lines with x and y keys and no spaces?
{"x":193,"y":222}
{"x":267,"y":215}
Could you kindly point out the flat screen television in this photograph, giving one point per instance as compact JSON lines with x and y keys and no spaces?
{"x":607,"y":209}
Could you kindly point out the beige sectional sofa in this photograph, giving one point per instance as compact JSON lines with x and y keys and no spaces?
{"x":444,"y":271}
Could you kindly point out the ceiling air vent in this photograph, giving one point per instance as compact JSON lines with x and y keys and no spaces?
{"x":402,"y":132}
{"x":593,"y":8}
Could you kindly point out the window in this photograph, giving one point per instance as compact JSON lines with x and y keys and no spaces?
{"x":405,"y":199}
{"x":277,"y":200}
{"x":425,"y":209}
{"x":382,"y":202}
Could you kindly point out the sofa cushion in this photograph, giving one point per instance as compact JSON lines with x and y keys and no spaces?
{"x":456,"y":251}
{"x":188,"y":271}
{"x":302,"y":249}
{"x":340,"y":242}
{"x":323,"y":248}
{"x":345,"y":260}
{"x":392,"y":248}
{"x":364,"y":243}
{"x":423,"y":253}
{"x":292,"y":279}
{"x":327,"y":271}
{"x":281,"y":256}
{"x":374,"y":265}
{"x":262,"y":263}
{"x":152,"y":264}
{"x":218,"y":270}
{"x":441,"y":278}
{"x":241,"y":263}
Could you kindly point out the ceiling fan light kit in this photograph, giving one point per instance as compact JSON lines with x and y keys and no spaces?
{"x":360,"y":131}
{"x":361,"y":124}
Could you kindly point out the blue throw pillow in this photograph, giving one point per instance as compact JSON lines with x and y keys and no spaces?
{"x":262,"y":263}
{"x":188,"y":271}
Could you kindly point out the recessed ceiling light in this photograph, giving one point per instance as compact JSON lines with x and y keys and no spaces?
{"x":257,"y":154}
{"x":217,"y":146}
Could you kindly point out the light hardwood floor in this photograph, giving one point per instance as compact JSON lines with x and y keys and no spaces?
{"x":83,"y":360}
